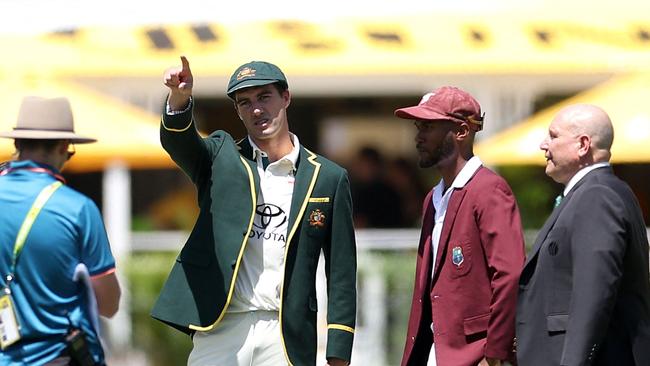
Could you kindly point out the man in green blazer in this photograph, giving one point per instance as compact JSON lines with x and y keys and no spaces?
{"x":244,"y":283}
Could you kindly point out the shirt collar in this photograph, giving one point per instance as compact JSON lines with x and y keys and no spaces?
{"x":580,"y":174}
{"x":291,"y":157}
{"x":465,"y":174}
{"x":30,"y":164}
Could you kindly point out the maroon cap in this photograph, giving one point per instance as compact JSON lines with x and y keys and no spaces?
{"x":446,"y":103}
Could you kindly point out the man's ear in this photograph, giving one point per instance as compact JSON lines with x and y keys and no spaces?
{"x":585,"y":145}
{"x":462,"y":130}
{"x":62,"y":146}
{"x":286,"y":95}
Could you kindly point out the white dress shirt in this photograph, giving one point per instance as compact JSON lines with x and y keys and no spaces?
{"x":580,"y":174}
{"x":261,"y":272}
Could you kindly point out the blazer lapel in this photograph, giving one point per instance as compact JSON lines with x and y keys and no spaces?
{"x":306,"y":175}
{"x":246,"y":151}
{"x":452,"y":209}
{"x":245,"y":148}
{"x":424,"y":275}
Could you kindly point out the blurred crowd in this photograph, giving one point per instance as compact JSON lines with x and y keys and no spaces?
{"x":386,"y":192}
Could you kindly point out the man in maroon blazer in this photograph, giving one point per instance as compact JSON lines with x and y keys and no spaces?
{"x":471,"y":247}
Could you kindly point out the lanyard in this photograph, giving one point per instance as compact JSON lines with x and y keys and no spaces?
{"x":33,"y":212}
{"x":58,"y":177}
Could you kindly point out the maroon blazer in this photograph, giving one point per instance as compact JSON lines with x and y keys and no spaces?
{"x":473,"y":293}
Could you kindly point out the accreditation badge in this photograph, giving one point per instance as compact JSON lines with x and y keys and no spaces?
{"x":9,"y":327}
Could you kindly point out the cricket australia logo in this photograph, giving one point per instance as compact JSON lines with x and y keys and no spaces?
{"x":245,"y":72}
{"x":317,"y":218}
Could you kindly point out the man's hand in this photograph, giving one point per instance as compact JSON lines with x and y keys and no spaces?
{"x":489,"y":362}
{"x":336,"y":362}
{"x":179,"y":80}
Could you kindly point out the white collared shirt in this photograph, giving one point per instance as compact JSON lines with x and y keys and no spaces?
{"x":261,"y":272}
{"x":580,"y":174}
{"x":441,"y":201}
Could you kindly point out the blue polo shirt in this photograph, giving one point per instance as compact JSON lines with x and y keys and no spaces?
{"x":69,"y":230}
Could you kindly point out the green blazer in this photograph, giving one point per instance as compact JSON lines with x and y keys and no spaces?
{"x":200,"y":286}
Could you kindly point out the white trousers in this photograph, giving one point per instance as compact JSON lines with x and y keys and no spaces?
{"x":240,"y":339}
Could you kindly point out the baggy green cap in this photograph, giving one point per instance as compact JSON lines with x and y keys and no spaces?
{"x":255,"y":73}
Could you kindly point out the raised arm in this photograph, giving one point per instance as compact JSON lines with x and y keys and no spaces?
{"x":178,"y":134}
{"x":180,"y":81}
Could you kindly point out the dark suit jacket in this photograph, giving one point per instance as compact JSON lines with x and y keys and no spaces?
{"x":584,"y":295}
{"x":201,"y":283}
{"x":472,"y":304}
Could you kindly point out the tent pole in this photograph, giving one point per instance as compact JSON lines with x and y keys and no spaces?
{"x":116,"y":193}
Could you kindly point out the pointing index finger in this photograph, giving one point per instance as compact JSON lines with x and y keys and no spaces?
{"x":185,"y":63}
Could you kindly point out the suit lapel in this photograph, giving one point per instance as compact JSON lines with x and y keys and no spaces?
{"x":543,"y":232}
{"x":452,"y":209}
{"x":550,"y":222}
{"x":306,"y":175}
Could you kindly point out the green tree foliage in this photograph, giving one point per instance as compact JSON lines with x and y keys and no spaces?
{"x":163,"y":345}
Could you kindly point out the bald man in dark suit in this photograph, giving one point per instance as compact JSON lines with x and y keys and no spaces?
{"x":584,"y":296}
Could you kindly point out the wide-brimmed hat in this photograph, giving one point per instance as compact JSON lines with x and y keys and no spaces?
{"x":45,"y":118}
{"x":446,"y":103}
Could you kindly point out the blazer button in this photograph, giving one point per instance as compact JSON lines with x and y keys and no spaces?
{"x":412,"y":339}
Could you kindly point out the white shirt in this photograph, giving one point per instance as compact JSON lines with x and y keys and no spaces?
{"x":580,"y":174}
{"x":261,"y":272}
{"x":441,"y":201}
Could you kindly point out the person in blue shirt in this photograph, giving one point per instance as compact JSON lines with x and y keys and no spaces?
{"x":57,"y":272}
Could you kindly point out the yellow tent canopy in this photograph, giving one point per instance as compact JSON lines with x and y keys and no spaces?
{"x":624,"y":98}
{"x":124,"y":132}
{"x":509,"y":41}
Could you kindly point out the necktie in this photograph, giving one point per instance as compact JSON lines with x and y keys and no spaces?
{"x":558,"y":199}
{"x":265,"y":162}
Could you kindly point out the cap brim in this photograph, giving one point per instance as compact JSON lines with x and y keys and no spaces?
{"x":249,"y":84}
{"x":47,"y":135}
{"x":420,"y":112}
